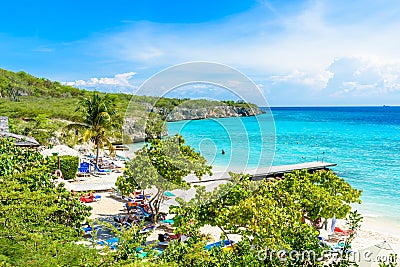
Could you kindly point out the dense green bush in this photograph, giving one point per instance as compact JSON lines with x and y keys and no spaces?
{"x":39,"y":222}
{"x":68,"y":165}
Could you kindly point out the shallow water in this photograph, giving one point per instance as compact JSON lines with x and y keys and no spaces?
{"x":363,"y":141}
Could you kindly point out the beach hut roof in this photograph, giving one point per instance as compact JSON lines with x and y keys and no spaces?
{"x":4,"y":124}
{"x":21,"y":140}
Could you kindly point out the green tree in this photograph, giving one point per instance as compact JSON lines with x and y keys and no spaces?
{"x":155,"y":126}
{"x":100,"y":120}
{"x":39,"y":222}
{"x":321,"y":194}
{"x":266,"y":217}
{"x":162,"y":164}
{"x":265,"y":214}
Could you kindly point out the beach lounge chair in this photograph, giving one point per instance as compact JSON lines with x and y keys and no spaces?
{"x":112,"y":243}
{"x":101,"y":171}
{"x":127,"y":220}
{"x":89,"y":198}
{"x":122,"y":158}
{"x":338,"y":230}
{"x":147,"y":229}
{"x":170,"y":236}
{"x":146,"y":214}
{"x":169,"y":221}
{"x":89,"y":231}
{"x":218,"y":244}
{"x":169,"y":194}
{"x":162,"y":245}
{"x":116,"y":194}
{"x":140,"y":253}
{"x":130,"y":206}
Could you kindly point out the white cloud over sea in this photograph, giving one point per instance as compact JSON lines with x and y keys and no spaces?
{"x":299,"y":52}
{"x":321,"y":49}
{"x":118,"y":83}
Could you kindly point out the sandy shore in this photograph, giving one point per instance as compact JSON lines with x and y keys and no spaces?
{"x":374,"y":230}
{"x":107,"y":206}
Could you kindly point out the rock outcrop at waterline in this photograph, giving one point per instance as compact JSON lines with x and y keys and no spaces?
{"x":134,"y":128}
{"x":179,"y":113}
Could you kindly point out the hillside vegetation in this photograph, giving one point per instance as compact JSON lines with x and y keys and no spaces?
{"x":40,"y":108}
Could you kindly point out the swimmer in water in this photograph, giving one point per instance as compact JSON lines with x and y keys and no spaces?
{"x":223,"y":152}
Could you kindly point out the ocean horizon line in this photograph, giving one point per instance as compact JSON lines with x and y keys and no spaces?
{"x":334,"y":106}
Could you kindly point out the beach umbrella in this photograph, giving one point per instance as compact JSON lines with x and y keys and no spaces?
{"x":164,"y":207}
{"x":169,"y":194}
{"x":371,"y":256}
{"x":60,"y":150}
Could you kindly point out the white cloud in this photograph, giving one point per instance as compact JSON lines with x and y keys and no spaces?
{"x":314,"y":81}
{"x":305,"y":40}
{"x":361,"y":77}
{"x":43,"y":49}
{"x":119,"y":80}
{"x":329,"y":49}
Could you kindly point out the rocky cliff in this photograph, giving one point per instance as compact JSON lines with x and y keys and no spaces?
{"x":181,"y":113}
{"x":135,"y":127}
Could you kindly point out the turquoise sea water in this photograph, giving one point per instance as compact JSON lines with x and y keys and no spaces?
{"x":363,"y":141}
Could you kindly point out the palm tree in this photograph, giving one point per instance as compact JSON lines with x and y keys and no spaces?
{"x":100,"y":121}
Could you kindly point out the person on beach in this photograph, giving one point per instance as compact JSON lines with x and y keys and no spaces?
{"x":325,"y":224}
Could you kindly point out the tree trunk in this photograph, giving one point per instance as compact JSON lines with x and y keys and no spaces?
{"x":97,"y":154}
{"x":230,"y":242}
{"x":153,"y":207}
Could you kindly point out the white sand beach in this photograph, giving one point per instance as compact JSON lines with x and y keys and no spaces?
{"x":374,"y":231}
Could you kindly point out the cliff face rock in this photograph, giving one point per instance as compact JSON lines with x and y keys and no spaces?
{"x":135,"y":127}
{"x":181,"y":113}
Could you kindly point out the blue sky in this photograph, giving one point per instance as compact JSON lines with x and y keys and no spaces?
{"x":299,"y":53}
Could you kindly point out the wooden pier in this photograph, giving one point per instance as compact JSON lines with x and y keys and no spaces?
{"x":279,"y":171}
{"x":263,"y":172}
{"x":210,"y":182}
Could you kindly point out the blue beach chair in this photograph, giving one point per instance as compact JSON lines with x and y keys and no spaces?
{"x":84,"y":167}
{"x":146,"y":214}
{"x":218,"y":244}
{"x":101,"y":171}
{"x":112,"y":243}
